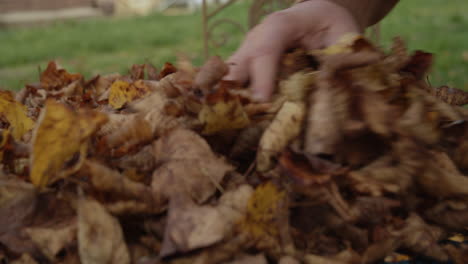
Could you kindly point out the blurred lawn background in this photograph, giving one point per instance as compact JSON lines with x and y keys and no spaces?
{"x":106,"y":45}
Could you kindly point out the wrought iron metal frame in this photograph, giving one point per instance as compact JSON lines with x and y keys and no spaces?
{"x":257,"y":10}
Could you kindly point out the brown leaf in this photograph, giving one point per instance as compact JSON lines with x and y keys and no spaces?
{"x":248,"y":139}
{"x":137,"y":72}
{"x":249,"y":259}
{"x":191,"y":226}
{"x":24,"y":259}
{"x":187,"y":165}
{"x":54,"y":78}
{"x":452,"y":215}
{"x":450,"y":95}
{"x":419,"y":64}
{"x":305,"y":173}
{"x":100,"y":238}
{"x":18,"y":201}
{"x":441,"y":177}
{"x":210,"y":74}
{"x":110,"y":181}
{"x":51,"y":240}
{"x":167,"y":69}
{"x":325,"y":119}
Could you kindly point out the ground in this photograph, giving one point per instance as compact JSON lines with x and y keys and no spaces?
{"x":104,"y":45}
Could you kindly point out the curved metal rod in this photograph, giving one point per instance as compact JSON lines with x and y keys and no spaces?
{"x":224,"y":37}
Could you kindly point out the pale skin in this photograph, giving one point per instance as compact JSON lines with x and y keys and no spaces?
{"x":310,"y":25}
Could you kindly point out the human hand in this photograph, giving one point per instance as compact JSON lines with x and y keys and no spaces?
{"x":309,"y":25}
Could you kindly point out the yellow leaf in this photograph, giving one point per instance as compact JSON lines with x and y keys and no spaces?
{"x":285,"y":127}
{"x":343,"y":45}
{"x":122,"y":92}
{"x":60,"y":136}
{"x":223,"y":116}
{"x":296,"y":87}
{"x":262,"y":211}
{"x":16,"y":115}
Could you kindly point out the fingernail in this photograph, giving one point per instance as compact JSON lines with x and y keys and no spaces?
{"x":259,"y":97}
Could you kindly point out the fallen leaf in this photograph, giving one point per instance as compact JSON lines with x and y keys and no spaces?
{"x":222,"y":112}
{"x":187,"y":164}
{"x":15,"y":114}
{"x":100,"y":237}
{"x":263,"y":209}
{"x":54,"y":239}
{"x":297,"y":86}
{"x":210,"y":74}
{"x":122,"y":92}
{"x":191,"y":226}
{"x":60,"y":136}
{"x":55,"y":78}
{"x":285,"y":127}
{"x":249,"y":259}
{"x":451,"y":96}
{"x":24,"y":259}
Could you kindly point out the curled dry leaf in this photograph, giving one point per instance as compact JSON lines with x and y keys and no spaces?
{"x":112,"y":182}
{"x":61,"y":136}
{"x":187,"y":165}
{"x":54,"y":78}
{"x":191,"y":226}
{"x":297,"y":86}
{"x":15,"y":114}
{"x":100,"y":238}
{"x":24,"y":259}
{"x":325,"y":118}
{"x":210,"y":74}
{"x":52,"y":240}
{"x":285,"y":127}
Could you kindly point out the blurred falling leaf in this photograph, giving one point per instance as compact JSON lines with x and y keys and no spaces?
{"x":450,"y":95}
{"x":286,"y":126}
{"x":61,"y":136}
{"x":15,"y":114}
{"x":122,"y":92}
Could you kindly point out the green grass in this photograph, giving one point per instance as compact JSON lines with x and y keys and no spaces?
{"x":112,"y":45}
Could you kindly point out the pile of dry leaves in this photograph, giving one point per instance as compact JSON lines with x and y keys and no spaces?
{"x":355,"y":158}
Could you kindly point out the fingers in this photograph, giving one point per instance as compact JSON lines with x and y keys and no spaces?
{"x":258,"y":57}
{"x":238,"y":69}
{"x":263,"y":70}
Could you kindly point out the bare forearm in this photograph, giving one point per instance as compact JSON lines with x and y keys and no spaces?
{"x":367,"y":12}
